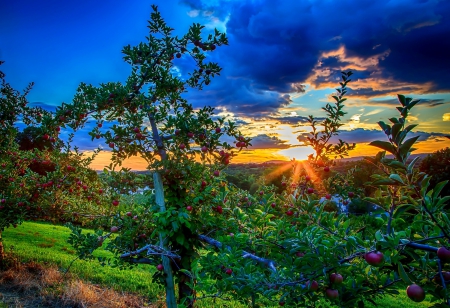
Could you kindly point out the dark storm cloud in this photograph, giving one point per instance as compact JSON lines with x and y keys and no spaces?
{"x":293,"y":120}
{"x":264,"y":141}
{"x":361,"y":135}
{"x":275,"y":46}
{"x":394,"y":102}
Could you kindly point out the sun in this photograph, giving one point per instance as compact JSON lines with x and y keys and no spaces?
{"x":297,"y":153}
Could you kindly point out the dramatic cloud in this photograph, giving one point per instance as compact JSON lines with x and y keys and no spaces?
{"x":361,"y":135}
{"x":264,"y":141}
{"x":393,"y":47}
{"x":392,"y":103}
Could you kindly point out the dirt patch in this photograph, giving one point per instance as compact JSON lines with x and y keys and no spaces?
{"x":32,"y":285}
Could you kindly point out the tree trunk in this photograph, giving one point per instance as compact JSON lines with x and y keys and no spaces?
{"x":2,"y":252}
{"x":170,"y":287}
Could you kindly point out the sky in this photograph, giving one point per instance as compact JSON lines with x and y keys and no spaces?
{"x":282,"y":63}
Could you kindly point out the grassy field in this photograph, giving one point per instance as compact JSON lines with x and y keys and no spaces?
{"x":45,"y":243}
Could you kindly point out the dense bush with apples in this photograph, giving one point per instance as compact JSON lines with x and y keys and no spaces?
{"x":40,"y":178}
{"x":214,"y":240}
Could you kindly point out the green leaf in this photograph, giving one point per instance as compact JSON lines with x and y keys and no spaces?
{"x":378,"y":235}
{"x":396,"y":178}
{"x":411,"y":164}
{"x":401,"y":99}
{"x":385,"y":182}
{"x":438,"y":188}
{"x":403,"y":275}
{"x":406,"y":146}
{"x":383,"y":145}
{"x":395,"y":130}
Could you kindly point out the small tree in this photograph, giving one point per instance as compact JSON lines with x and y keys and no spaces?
{"x":182,"y":147}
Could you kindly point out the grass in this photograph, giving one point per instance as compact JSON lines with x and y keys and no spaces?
{"x":46,"y":244}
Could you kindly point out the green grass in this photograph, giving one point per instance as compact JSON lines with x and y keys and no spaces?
{"x":46,"y":243}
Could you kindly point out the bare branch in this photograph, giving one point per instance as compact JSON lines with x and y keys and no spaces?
{"x":245,"y":254}
{"x":151,"y":250}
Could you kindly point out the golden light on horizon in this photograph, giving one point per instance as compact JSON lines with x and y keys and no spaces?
{"x":264,"y":155}
{"x":299,"y":152}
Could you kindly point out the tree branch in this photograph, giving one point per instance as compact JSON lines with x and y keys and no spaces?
{"x":246,"y":255}
{"x":151,"y":250}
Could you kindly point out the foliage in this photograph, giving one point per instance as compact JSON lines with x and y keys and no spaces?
{"x":268,"y":247}
{"x":34,"y":178}
{"x":437,"y":165}
{"x":318,"y":139}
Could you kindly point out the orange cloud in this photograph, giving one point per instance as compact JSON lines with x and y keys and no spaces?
{"x":263,"y":155}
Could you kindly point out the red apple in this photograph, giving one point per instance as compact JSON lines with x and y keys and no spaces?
{"x":190,"y":135}
{"x":219,"y":209}
{"x":336,"y":278}
{"x":204,"y":149}
{"x":115,"y":202}
{"x":229,"y":271}
{"x":216,"y":173}
{"x":182,"y":146}
{"x":273,"y":205}
{"x":307,"y":178}
{"x":415,"y":292}
{"x":332,"y":294}
{"x":129,"y":214}
{"x":218,"y":130}
{"x":100,"y":241}
{"x":374,"y":258}
{"x":281,"y":304}
{"x":351,"y":194}
{"x":445,"y":275}
{"x":114,"y":229}
{"x":310,"y":190}
{"x":444,"y":254}
{"x":111,"y":144}
{"x":326,"y":169}
{"x":46,"y":137}
{"x":289,"y":213}
{"x":299,"y":254}
{"x":189,"y":208}
{"x":160,"y":267}
{"x":313,"y":286}
{"x":328,"y":196}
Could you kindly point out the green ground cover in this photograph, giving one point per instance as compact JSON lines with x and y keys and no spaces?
{"x":46,"y":243}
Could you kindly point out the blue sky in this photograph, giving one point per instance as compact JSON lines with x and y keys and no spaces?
{"x":282,"y":62}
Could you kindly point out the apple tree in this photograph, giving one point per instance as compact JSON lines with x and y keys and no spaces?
{"x":35,"y":180}
{"x":184,"y":149}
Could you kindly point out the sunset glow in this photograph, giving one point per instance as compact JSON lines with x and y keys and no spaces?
{"x":274,"y":72}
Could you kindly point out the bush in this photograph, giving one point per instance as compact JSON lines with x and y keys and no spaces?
{"x":437,"y":165}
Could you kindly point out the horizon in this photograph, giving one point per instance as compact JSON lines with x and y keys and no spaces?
{"x":281,"y":65}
